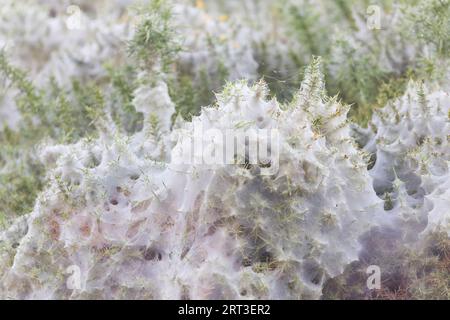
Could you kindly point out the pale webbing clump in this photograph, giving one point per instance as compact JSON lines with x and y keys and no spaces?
{"x":137,"y":227}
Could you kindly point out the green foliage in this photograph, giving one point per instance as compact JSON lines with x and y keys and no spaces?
{"x":282,"y":86}
{"x":73,"y":113}
{"x":68,"y":114}
{"x":313,"y":85}
{"x":190,"y":95}
{"x":155,"y":47}
{"x":30,"y":101}
{"x":406,"y":273}
{"x":304,"y":23}
{"x":61,"y":115}
{"x":356,"y":74}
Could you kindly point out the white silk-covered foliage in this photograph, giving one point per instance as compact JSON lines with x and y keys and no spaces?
{"x":138,"y":226}
{"x":412,"y":157}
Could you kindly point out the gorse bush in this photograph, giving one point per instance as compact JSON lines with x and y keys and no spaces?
{"x":98,"y":104}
